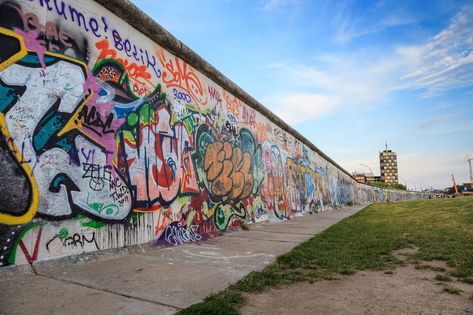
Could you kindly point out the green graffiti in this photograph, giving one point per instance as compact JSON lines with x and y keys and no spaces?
{"x":137,"y":215}
{"x":225,"y":214}
{"x":63,"y":233}
{"x":86,"y":222}
{"x":99,"y":207}
{"x":12,"y":257}
{"x":93,"y":224}
{"x":132,"y":119}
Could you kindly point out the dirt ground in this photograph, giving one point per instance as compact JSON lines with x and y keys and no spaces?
{"x":406,"y":291}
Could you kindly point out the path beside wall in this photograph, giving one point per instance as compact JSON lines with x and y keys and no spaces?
{"x":109,"y":139}
{"x":157,"y":281}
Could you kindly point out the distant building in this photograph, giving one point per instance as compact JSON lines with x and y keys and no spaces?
{"x":359,"y":177}
{"x":369,"y":177}
{"x":365,"y":177}
{"x":388,"y":166}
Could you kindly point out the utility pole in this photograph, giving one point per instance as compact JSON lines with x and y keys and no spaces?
{"x":471,"y":171}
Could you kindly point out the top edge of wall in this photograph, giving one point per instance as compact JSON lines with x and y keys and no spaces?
{"x":130,"y":13}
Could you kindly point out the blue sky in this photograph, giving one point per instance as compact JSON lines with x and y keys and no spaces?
{"x":349,"y":75}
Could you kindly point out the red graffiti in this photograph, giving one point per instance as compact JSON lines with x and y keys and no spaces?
{"x":179,"y":74}
{"x":138,"y":73}
{"x":34,"y":257}
{"x":159,"y":160}
{"x":233,"y":104}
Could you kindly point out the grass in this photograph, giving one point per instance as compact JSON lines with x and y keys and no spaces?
{"x":222,"y":303}
{"x":468,"y":280}
{"x":443,"y":278}
{"x":441,"y":229}
{"x":423,"y":266}
{"x":452,"y":290}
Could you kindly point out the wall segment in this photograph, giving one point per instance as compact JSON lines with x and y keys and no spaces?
{"x":114,"y":133}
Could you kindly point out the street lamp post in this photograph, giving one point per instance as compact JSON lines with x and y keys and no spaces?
{"x":415,"y":186}
{"x":368,"y":168}
{"x":420,"y":184}
{"x":405,"y":183}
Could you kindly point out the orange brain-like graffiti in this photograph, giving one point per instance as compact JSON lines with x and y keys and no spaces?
{"x":228,"y":170}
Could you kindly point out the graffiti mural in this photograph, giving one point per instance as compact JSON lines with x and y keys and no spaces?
{"x":109,"y":140}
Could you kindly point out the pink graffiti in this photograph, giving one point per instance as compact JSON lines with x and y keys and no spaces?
{"x":160,"y":164}
{"x":31,"y":43}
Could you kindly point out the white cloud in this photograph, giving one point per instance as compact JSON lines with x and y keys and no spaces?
{"x":363,"y":78}
{"x":435,"y":121}
{"x":446,"y":60}
{"x":440,"y":106}
{"x":296,"y":108}
{"x":355,"y":80}
{"x":276,"y":4}
{"x":351,"y":24}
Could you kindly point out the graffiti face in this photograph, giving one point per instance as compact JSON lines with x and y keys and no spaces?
{"x":120,"y":142}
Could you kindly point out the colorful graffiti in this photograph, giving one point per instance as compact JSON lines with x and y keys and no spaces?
{"x":109,"y":140}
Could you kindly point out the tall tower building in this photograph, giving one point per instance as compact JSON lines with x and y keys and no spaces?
{"x":388,"y":166}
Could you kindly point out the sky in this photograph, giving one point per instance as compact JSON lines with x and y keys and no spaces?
{"x":348,"y":75}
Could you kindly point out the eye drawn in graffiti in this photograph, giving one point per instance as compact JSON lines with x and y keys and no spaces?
{"x":139,"y":84}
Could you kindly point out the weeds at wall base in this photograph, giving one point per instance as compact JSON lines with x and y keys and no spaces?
{"x":221,"y":303}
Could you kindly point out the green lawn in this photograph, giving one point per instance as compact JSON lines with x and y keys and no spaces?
{"x":442,"y":229}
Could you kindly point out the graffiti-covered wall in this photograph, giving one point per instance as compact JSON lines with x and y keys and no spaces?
{"x":109,"y":139}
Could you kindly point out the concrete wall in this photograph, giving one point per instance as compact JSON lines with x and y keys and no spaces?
{"x":112,"y":137}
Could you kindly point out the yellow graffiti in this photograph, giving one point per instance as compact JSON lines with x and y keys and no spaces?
{"x":18,"y":55}
{"x":74,"y":122}
{"x":33,"y":207}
